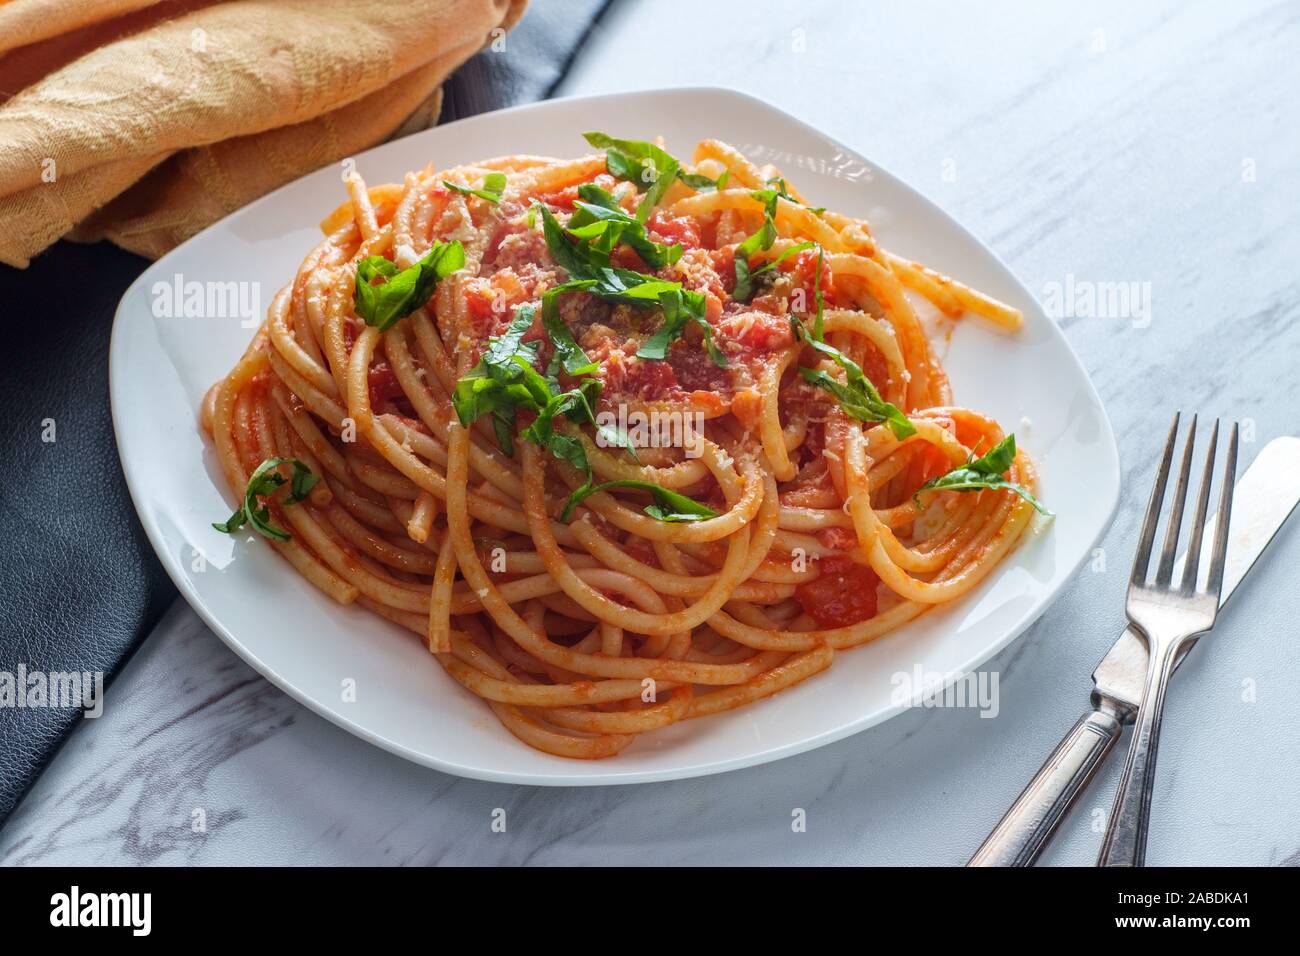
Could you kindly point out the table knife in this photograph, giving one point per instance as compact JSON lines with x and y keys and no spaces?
{"x":1263,"y":499}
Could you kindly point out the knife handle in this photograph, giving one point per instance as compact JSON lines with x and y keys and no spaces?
{"x":1026,"y":827}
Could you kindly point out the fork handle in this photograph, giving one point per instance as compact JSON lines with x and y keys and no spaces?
{"x":1125,"y":843}
{"x":1024,"y":830}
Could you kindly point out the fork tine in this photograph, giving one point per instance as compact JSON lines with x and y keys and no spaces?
{"x":1143,"y":557}
{"x":1191,"y":566}
{"x":1219,"y":556}
{"x":1165,"y":569}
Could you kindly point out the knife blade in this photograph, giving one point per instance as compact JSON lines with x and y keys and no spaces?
{"x":1264,"y":497}
{"x":1262,"y":500}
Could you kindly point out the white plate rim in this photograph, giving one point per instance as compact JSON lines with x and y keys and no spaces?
{"x":593,"y":773}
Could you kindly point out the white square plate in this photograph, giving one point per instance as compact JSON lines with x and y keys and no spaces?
{"x":311,"y":647}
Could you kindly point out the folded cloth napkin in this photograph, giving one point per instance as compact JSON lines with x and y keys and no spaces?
{"x":142,"y":121}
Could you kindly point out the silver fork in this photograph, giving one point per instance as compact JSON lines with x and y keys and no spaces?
{"x":1168,"y":615}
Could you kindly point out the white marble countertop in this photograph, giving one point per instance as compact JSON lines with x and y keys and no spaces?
{"x":1155,"y":145}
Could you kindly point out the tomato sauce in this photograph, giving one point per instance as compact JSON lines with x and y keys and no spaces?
{"x":683,"y":231}
{"x":843,"y":594}
{"x":384,"y":386}
{"x":805,"y":277}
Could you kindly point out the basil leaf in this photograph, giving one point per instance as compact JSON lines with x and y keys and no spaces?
{"x":503,"y":426}
{"x":261,"y":484}
{"x":773,"y":263}
{"x":404,"y":291}
{"x":986,"y":472}
{"x":604,"y":227}
{"x":565,"y":253}
{"x":668,"y":505}
{"x":574,"y":360}
{"x":681,"y":306}
{"x":818,"y":331}
{"x":783,"y":191}
{"x":768,"y":198}
{"x":494,"y":184}
{"x":504,"y":377}
{"x":597,"y":196}
{"x":588,"y":264}
{"x":857,"y":397}
{"x":640,"y":163}
{"x":542,"y":431}
{"x":754,"y":244}
{"x":506,"y":380}
{"x":703,"y":184}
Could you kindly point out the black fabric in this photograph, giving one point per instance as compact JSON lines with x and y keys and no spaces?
{"x":536,"y":55}
{"x":80,"y":586}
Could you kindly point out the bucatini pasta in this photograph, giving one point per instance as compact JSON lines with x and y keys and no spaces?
{"x":625,"y":440}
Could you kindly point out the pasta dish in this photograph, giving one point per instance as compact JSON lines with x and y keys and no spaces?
{"x":626,"y":440}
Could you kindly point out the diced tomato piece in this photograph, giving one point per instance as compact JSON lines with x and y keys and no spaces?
{"x":805,"y":276}
{"x":767,"y":333}
{"x":837,"y":539}
{"x":875,"y":367}
{"x":641,"y":378}
{"x":625,"y":257}
{"x":693,"y":367}
{"x":491,"y":301}
{"x":683,"y":231}
{"x":814,"y":440}
{"x":747,"y":405}
{"x":479,"y":299}
{"x":384,"y":386}
{"x":564,"y":199}
{"x":641,"y":549}
{"x":724,"y":264}
{"x":707,"y":401}
{"x":843,"y":594}
{"x":712,"y":308}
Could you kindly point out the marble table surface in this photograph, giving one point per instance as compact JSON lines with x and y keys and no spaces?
{"x":1152,"y":143}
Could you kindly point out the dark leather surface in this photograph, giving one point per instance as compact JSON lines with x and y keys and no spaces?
{"x":79,"y":584}
{"x":80,"y":587}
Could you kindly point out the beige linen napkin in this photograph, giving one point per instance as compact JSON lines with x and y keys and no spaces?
{"x":142,"y":121}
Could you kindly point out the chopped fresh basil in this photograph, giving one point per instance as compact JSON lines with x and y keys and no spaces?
{"x":759,"y":241}
{"x":703,"y":184}
{"x":567,"y":351}
{"x":494,"y":184}
{"x":783,"y":191}
{"x":668,"y":505}
{"x":602,"y":224}
{"x":681,"y":307}
{"x":856,"y":395}
{"x":763,"y":239}
{"x":402,"y":291}
{"x":987,"y":471}
{"x":818,"y":331}
{"x":650,"y":168}
{"x":505,"y":380}
{"x":773,"y":263}
{"x":261,"y":484}
{"x":590,"y":272}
